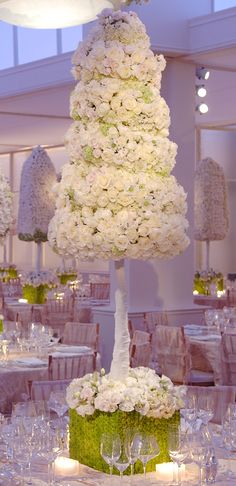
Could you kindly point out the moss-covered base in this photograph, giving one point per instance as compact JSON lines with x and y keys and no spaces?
{"x":7,"y":273}
{"x":66,"y":277}
{"x":85,"y":436}
{"x":35,"y":295}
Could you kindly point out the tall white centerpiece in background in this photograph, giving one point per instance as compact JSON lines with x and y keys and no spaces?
{"x":36,"y":208}
{"x":211,"y":216}
{"x":37,"y":200}
{"x":117,"y":197}
{"x":6,"y":211}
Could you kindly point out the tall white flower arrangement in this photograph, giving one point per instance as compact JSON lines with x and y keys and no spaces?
{"x":6,"y":207}
{"x":117,"y":197}
{"x":37,"y":200}
{"x":211,"y":216}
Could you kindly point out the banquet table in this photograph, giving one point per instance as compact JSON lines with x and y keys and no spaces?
{"x":19,"y":370}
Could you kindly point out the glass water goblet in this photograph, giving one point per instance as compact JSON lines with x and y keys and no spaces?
{"x":199,"y":453}
{"x":110,"y":449}
{"x":57,"y":402}
{"x":131,"y":448}
{"x":205,"y":408}
{"x":148,"y":449}
{"x":122,"y":463}
{"x":178,"y":449}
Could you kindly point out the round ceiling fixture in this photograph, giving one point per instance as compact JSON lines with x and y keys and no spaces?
{"x":53,"y":14}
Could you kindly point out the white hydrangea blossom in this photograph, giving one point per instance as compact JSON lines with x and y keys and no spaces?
{"x":211,"y":216}
{"x":117,"y":197}
{"x":6,"y":207}
{"x":43,"y":277}
{"x":143,"y":391}
{"x":37,"y":200}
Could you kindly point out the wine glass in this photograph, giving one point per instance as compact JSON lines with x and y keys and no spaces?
{"x":57,"y":402}
{"x":48,"y":449}
{"x":178,"y":448}
{"x":148,"y":449}
{"x":132,"y":451}
{"x":199,"y":453}
{"x":121,"y":463}
{"x":205,"y":408}
{"x":189,"y":411}
{"x":110,"y":449}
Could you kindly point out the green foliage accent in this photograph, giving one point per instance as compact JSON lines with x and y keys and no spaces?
{"x":86,"y":432}
{"x":38,"y":236}
{"x":147,"y":95}
{"x":35,"y":295}
{"x":203,"y":280}
{"x":88,"y":153}
{"x":66,"y":277}
{"x":104,"y":127}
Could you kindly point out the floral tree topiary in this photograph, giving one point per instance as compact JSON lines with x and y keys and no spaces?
{"x":117,"y":198}
{"x":36,"y":208}
{"x":211,"y":216}
{"x":6,"y":213}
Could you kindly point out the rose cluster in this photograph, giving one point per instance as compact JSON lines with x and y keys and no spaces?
{"x":143,"y":391}
{"x":117,"y":197}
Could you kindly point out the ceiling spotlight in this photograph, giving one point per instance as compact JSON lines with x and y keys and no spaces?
{"x":201,"y":91}
{"x":202,"y":73}
{"x":202,"y":108}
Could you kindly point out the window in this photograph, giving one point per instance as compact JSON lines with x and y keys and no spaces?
{"x":6,"y":45}
{"x":223,"y":4}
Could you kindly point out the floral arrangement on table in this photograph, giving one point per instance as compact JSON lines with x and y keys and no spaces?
{"x":141,"y":400}
{"x":7,"y":271}
{"x":6,"y":207}
{"x":211,"y":215}
{"x":66,"y":274}
{"x":205,"y":280}
{"x":117,"y":198}
{"x":36,"y":284}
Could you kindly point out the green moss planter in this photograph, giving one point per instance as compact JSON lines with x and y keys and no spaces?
{"x":85,"y":436}
{"x":66,"y":277}
{"x":35,"y":295}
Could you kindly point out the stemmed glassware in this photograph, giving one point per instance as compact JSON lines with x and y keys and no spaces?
{"x":199,"y":452}
{"x":122,"y":463}
{"x":110,"y":449}
{"x":189,"y":411}
{"x":205,"y":408}
{"x":147,"y":449}
{"x":178,"y":448}
{"x":57,"y":402}
{"x":132,"y":448}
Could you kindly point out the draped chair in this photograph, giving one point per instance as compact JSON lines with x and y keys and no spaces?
{"x":41,"y":390}
{"x":67,"y":367}
{"x":153,"y":319}
{"x":222,"y":396}
{"x":140,"y":354}
{"x":228,"y":358}
{"x":171,"y":351}
{"x":100,"y":290}
{"x":140,"y":337}
{"x":59,"y":311}
{"x":86,"y":334}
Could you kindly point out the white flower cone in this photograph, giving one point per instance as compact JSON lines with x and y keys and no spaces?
{"x":117,"y":198}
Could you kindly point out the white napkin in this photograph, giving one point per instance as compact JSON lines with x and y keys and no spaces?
{"x":207,"y":337}
{"x":30,"y":361}
{"x":72,"y":349}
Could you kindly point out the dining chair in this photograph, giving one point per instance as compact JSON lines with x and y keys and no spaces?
{"x":172,"y":352}
{"x":59,"y":311}
{"x":140,"y":337}
{"x":41,"y":390}
{"x":100,"y":290}
{"x":86,"y":334}
{"x":222,"y":396}
{"x":228,"y":358}
{"x":68,"y":367}
{"x":140,"y":355}
{"x":153,"y":319}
